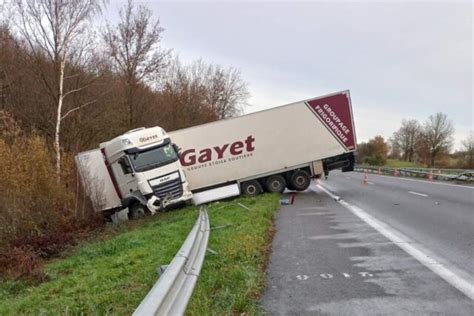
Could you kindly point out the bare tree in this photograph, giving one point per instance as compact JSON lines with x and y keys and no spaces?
{"x":182,"y":99}
{"x":227,"y":93}
{"x":199,"y":93}
{"x":56,"y":31}
{"x":133,"y":45}
{"x":438,"y":133}
{"x":4,"y":52}
{"x":406,"y":137}
{"x":468,"y":145}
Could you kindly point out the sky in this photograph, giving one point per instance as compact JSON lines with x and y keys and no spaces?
{"x":400,"y":60}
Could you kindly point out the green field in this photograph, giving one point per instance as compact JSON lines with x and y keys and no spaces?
{"x":112,"y":276}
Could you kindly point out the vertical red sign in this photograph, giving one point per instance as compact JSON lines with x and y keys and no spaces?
{"x":336,"y":115}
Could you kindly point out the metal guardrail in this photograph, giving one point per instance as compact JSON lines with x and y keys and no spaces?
{"x":438,"y":170}
{"x":463,"y":175}
{"x":171,"y":293}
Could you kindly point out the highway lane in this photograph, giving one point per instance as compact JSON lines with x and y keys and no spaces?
{"x":439,"y":216}
{"x":327,"y":260}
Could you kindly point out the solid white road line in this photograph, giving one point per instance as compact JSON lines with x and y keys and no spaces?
{"x":416,"y":193}
{"x":333,"y":196}
{"x":457,"y":278}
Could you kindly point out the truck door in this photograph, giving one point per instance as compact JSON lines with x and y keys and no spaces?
{"x":124,"y":175}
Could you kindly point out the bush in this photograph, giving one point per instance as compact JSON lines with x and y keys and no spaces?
{"x":375,"y":160}
{"x":38,"y":215}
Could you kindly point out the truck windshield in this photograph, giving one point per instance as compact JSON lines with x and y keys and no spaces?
{"x":153,"y":158}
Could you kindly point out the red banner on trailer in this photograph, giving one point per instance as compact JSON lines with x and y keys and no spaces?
{"x":335,"y":113}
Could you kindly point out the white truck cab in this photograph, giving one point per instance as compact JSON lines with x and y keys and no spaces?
{"x":144,"y":168}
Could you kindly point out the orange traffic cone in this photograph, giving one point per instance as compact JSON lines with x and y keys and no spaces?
{"x":366,"y":179}
{"x":430,"y":176}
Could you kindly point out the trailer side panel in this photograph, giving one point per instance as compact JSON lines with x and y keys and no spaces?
{"x":274,"y":139}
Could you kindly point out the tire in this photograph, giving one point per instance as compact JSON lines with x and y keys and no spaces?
{"x":137,"y":211}
{"x":288,"y":184}
{"x":276,"y":183}
{"x":300,"y":180}
{"x":251,"y":188}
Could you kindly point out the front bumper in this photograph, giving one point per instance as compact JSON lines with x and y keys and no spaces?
{"x":156,"y":204}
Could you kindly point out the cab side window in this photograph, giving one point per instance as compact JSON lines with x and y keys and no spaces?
{"x":125,"y":165}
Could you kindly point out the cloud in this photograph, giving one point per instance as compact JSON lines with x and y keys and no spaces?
{"x":399,"y":59}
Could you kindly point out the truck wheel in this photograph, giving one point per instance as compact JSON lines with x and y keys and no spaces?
{"x":137,"y":211}
{"x":300,"y":180}
{"x":288,"y":183}
{"x":275,"y":183}
{"x":251,"y":188}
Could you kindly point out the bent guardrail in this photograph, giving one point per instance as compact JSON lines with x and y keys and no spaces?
{"x":171,"y":293}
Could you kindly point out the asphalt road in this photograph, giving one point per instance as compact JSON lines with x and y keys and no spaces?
{"x":329,"y":259}
{"x":438,"y":215}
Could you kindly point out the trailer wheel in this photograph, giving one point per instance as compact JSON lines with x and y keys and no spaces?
{"x":276,"y":183}
{"x":251,"y":188}
{"x":137,"y":211}
{"x":300,"y":180}
{"x":288,"y":183}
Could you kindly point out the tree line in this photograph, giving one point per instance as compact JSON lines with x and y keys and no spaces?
{"x":67,"y":84}
{"x":429,"y":143}
{"x":78,"y":85}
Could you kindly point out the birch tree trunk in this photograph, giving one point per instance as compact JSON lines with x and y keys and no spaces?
{"x":57,"y":146}
{"x":56,"y":31}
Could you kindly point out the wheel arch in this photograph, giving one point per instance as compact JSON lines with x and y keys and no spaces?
{"x":134,"y":197}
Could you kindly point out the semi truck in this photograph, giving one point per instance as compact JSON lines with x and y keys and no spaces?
{"x":149,"y":169}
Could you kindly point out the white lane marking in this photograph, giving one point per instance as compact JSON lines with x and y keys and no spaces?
{"x":416,"y":193}
{"x":326,"y":275}
{"x":370,"y":183}
{"x":457,"y":278}
{"x":429,"y":182}
{"x":363,"y":274}
{"x":333,"y":196}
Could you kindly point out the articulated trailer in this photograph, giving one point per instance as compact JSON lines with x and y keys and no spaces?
{"x":270,"y":150}
{"x":148,"y":169}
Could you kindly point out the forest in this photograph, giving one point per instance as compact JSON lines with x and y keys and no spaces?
{"x":70,"y":79}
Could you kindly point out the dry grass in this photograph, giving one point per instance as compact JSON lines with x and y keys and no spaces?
{"x":39,"y":217}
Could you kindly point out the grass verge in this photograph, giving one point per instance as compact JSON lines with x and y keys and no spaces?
{"x":112,"y":276}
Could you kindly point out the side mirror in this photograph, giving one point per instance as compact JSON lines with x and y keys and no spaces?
{"x":177,"y":149}
{"x":125,"y":164}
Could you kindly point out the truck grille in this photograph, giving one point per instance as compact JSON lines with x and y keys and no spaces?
{"x":173,"y":188}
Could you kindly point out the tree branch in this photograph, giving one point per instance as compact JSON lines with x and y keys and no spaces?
{"x":75,"y":90}
{"x":77,"y":108}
